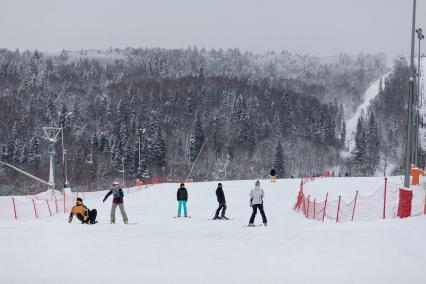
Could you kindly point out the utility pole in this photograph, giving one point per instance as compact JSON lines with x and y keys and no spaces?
{"x":420,"y":36}
{"x":64,"y":161}
{"x":51,"y":134}
{"x":408,"y":148}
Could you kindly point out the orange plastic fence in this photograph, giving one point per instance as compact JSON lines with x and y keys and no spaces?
{"x":45,"y":204}
{"x":388,"y":201}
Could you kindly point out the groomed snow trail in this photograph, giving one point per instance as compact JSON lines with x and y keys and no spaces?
{"x":369,"y":94}
{"x":161,"y":249}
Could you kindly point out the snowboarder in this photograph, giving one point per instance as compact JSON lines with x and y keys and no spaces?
{"x":222,"y":203}
{"x":84,"y":214}
{"x":256,"y":202}
{"x":118,"y":195}
{"x":272,"y":174}
{"x":182,"y":198}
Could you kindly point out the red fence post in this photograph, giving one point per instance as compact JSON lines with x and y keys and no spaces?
{"x":315,"y":201}
{"x":424,"y":211}
{"x":338,"y":209}
{"x":35,"y":210}
{"x":14,"y":208}
{"x":325,"y":207}
{"x":307,"y":211}
{"x":48,"y":207}
{"x":384,"y":199}
{"x":353,"y":211}
{"x":56,"y":205}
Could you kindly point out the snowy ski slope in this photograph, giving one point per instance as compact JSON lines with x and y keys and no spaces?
{"x":161,"y":249}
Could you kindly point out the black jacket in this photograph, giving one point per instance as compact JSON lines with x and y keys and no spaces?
{"x":182,"y":194}
{"x":220,"y":195}
{"x":273,"y":172}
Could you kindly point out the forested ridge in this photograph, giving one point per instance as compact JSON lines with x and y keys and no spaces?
{"x":253,"y":110}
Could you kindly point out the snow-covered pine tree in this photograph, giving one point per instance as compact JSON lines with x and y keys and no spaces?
{"x":279,"y":162}
{"x":373,"y":146}
{"x":197,"y":138}
{"x":239,"y":110}
{"x":360,"y":151}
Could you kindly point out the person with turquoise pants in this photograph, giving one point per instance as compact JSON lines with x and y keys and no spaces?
{"x":182,"y":198}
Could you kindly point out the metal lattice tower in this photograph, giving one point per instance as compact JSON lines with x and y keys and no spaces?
{"x":51,"y":135}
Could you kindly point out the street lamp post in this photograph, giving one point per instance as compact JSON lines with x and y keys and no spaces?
{"x":408,"y":148}
{"x":64,"y":162}
{"x":420,"y":36}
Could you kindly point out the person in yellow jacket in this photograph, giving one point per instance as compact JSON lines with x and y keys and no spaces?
{"x":84,"y":214}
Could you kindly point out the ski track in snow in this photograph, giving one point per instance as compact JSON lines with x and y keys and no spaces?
{"x":160,"y":249}
{"x":369,"y":94}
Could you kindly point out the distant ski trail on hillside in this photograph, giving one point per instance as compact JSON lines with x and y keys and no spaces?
{"x":369,"y":94}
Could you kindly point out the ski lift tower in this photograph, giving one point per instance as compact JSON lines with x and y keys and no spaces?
{"x":51,"y":135}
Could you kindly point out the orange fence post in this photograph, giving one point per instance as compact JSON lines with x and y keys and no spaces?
{"x":384,"y":199}
{"x":424,"y":211}
{"x":56,"y":205}
{"x":307,"y":211}
{"x":14,"y":208}
{"x":353,"y":211}
{"x":35,"y":210}
{"x":325,"y":207}
{"x":315,"y":201}
{"x":338,"y":208}
{"x":48,"y":207}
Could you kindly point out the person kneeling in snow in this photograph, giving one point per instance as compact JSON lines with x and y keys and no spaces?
{"x":84,"y":214}
{"x":118,"y":194}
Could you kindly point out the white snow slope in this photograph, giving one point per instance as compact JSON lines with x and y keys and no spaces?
{"x":161,"y":249}
{"x":369,"y":94}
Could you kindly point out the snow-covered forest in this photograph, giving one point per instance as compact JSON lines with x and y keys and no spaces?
{"x":254,"y":110}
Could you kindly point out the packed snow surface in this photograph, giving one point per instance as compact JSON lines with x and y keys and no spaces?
{"x":161,"y":249}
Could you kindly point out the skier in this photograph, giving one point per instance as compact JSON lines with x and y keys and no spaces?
{"x":118,"y":195}
{"x":84,"y":214}
{"x":222,"y":203}
{"x":256,"y":202}
{"x":272,"y":174}
{"x":182,"y":198}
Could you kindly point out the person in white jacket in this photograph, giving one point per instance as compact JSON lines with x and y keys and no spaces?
{"x":256,"y":202}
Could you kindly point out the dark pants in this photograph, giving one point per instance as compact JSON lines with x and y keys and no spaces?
{"x":253,"y":215}
{"x":222,"y":206}
{"x":92,"y":216}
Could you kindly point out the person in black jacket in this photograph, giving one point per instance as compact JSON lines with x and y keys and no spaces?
{"x":272,"y":174}
{"x":182,"y":198}
{"x":118,"y":195}
{"x":222,"y":203}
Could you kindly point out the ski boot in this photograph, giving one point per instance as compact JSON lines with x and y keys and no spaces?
{"x":251,"y":225}
{"x":112,"y":222}
{"x":126,"y":221}
{"x":265,"y":224}
{"x":224,"y":218}
{"x":216,"y":218}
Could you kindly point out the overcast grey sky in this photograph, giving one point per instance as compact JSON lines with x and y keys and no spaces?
{"x":320,"y":27}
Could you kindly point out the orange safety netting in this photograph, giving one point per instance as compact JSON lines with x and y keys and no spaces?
{"x":388,"y":201}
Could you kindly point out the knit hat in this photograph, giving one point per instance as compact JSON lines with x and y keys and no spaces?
{"x":79,"y":199}
{"x":219,"y":184}
{"x":182,"y":185}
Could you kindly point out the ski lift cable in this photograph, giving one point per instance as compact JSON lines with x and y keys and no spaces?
{"x":198,"y":155}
